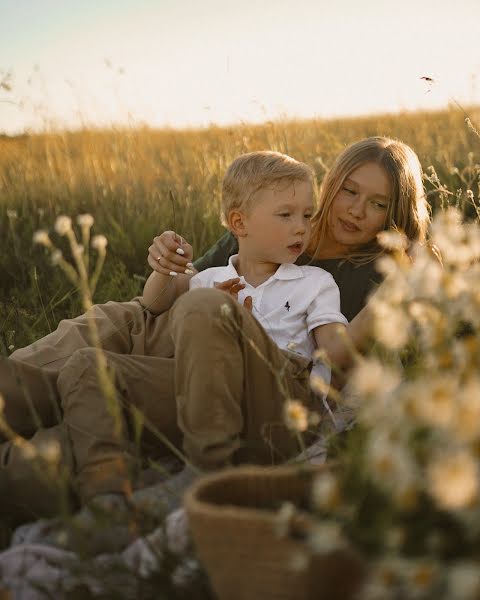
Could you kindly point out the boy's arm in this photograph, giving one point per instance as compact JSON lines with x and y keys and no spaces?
{"x":341,"y":342}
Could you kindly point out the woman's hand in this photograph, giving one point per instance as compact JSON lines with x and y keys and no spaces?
{"x":170,"y":254}
{"x":232,"y":287}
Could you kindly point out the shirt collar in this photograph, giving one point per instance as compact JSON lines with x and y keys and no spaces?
{"x":284,"y":272}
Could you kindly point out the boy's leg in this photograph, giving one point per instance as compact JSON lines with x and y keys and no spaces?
{"x":102,"y":443}
{"x":30,"y":397}
{"x":231,"y":382}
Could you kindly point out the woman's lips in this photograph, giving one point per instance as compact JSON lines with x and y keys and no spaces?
{"x":350,"y":227}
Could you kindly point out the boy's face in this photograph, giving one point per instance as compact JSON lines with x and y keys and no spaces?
{"x":277,"y":227}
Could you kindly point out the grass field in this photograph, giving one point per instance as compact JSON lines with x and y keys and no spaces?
{"x":137,"y":183}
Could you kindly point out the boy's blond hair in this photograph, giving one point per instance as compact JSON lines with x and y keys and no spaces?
{"x":254,"y":171}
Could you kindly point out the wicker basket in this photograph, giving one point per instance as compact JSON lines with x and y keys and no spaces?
{"x":234,"y":522}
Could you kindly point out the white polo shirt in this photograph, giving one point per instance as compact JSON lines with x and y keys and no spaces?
{"x":289,"y":305}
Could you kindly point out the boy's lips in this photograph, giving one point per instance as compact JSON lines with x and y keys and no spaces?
{"x":351,"y":227}
{"x":296,"y":248}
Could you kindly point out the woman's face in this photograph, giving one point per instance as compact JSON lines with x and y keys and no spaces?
{"x":359,"y":209}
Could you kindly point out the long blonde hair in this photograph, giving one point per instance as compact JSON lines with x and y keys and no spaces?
{"x":407,"y":211}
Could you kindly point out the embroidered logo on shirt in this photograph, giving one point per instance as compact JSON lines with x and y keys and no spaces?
{"x":287,"y":306}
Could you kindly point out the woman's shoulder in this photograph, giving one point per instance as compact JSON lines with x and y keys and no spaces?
{"x":355,"y":281}
{"x":218,"y":254}
{"x":343,"y":267}
{"x":313,"y":272}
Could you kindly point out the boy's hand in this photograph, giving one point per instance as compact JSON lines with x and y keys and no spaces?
{"x":170,"y":253}
{"x":232,"y":287}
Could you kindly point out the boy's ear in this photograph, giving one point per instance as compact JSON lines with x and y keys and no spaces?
{"x":237,"y":223}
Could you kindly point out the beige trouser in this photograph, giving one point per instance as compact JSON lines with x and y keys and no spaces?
{"x":222,"y":392}
{"x":32,"y":404}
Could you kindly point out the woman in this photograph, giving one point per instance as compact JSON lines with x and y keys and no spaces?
{"x":375,"y":184}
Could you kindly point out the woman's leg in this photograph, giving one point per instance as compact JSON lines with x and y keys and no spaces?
{"x":119,"y":325}
{"x":102,"y":442}
{"x":231,"y":381}
{"x":30,"y":397}
{"x":35,"y":477}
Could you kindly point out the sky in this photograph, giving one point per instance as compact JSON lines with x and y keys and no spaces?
{"x":183,"y":63}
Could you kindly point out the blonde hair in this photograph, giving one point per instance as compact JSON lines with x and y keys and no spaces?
{"x":254,"y":171}
{"x":407,"y":211}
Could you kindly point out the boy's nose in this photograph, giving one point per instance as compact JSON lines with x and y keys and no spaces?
{"x":300,"y":227}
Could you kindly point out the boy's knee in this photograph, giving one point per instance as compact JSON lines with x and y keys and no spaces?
{"x":208,"y":302}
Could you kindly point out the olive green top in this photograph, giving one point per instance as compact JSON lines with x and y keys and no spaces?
{"x":354,"y":281}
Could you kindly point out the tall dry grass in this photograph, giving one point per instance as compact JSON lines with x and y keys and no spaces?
{"x":127,"y":178}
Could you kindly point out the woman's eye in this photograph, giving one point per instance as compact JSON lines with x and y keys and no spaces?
{"x":379,"y":205}
{"x":308,"y":216}
{"x":349,"y":190}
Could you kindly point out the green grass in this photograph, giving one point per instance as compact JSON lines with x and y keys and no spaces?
{"x":124,"y":179}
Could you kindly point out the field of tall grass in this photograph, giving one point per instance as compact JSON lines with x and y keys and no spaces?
{"x":139,"y":182}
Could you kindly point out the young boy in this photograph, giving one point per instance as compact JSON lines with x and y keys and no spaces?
{"x":267,"y":203}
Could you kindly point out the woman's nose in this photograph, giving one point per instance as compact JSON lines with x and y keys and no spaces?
{"x":357,"y":208}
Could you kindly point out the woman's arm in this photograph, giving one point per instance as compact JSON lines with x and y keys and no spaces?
{"x":170,"y":257}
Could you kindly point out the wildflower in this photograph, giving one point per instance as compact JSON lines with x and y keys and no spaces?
{"x":391,"y":326}
{"x":300,"y":561}
{"x":99,"y":243}
{"x":395,"y":538}
{"x":319,"y":385}
{"x":326,"y":537}
{"x":56,"y":257}
{"x":371,"y":377}
{"x":11,"y":214}
{"x":463,"y":581}
{"x":325,"y":491}
{"x":50,"y":451}
{"x":284,"y":518}
{"x":431,"y":400}
{"x":63,"y":225}
{"x":41,"y":237}
{"x":391,"y":465}
{"x":421,"y":578}
{"x":392,"y":240}
{"x":225,"y":310}
{"x":296,"y":415}
{"x":85,"y":220}
{"x":453,"y":480}
{"x":27,"y":450}
{"x":466,"y":422}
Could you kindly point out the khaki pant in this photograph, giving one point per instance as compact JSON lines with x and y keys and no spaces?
{"x":220,"y":387}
